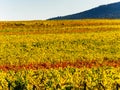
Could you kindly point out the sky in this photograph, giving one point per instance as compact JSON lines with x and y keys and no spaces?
{"x":44,"y":9}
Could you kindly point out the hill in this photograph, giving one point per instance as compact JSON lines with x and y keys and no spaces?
{"x":109,"y":11}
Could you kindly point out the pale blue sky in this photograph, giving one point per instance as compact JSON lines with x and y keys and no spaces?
{"x":43,"y":9}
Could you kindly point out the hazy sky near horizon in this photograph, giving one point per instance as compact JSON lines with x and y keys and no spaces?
{"x":44,"y":9}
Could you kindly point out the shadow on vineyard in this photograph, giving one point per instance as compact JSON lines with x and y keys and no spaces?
{"x":99,"y":86}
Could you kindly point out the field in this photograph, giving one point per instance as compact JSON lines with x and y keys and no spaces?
{"x":60,"y":55}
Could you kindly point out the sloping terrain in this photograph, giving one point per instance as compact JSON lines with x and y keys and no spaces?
{"x":110,"y":11}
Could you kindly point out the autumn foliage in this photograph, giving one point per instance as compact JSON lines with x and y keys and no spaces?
{"x":60,"y":55}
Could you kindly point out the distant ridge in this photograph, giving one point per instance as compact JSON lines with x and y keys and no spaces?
{"x":109,"y":11}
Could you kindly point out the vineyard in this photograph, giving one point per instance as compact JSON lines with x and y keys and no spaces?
{"x":60,"y":55}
